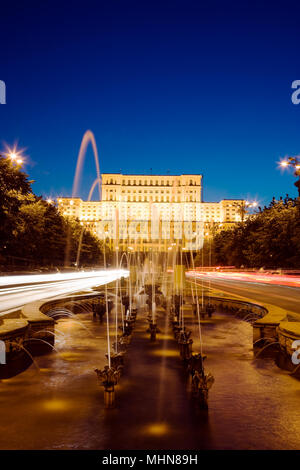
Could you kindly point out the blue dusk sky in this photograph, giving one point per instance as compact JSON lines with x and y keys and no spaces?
{"x":180,"y":86}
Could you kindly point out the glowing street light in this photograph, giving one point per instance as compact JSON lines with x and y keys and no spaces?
{"x":250,"y":204}
{"x":14,"y":155}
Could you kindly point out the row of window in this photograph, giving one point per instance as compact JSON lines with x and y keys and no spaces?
{"x":188,"y":208}
{"x":152,"y":198}
{"x":135,"y":182}
{"x":145,"y":191}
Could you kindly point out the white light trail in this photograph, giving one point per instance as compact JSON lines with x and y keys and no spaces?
{"x":254,"y":277}
{"x":30,"y":288}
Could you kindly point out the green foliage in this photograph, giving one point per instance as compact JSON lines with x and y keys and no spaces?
{"x":205,"y":257}
{"x":270,"y":238}
{"x":34,"y":230}
{"x":15,"y":189}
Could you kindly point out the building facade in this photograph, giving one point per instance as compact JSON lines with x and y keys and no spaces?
{"x":145,"y":212}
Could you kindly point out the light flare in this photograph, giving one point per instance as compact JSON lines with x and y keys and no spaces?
{"x":14,"y":154}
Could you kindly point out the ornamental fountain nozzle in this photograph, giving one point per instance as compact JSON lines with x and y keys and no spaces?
{"x":153,"y":330}
{"x":108,"y":378}
{"x":117,"y":360}
{"x":185,"y":344}
{"x":201,"y":383}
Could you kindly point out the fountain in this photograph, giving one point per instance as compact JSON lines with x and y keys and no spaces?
{"x":152,"y":290}
{"x":209,"y":309}
{"x":109,"y":378}
{"x":99,"y":308}
{"x":185,"y":344}
{"x":87,"y":138}
{"x":144,"y":279}
{"x":201,"y":383}
{"x":117,"y":360}
{"x":97,"y":180}
{"x":111,"y":373}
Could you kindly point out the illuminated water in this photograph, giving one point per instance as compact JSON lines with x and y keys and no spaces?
{"x":252,"y":404}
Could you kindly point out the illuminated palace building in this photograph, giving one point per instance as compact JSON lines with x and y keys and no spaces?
{"x":144,"y":212}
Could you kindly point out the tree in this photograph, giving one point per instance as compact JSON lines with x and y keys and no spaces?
{"x":270,"y":238}
{"x":15,"y":190}
{"x":33,"y":229}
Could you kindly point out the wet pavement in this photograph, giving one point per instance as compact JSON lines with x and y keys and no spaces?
{"x":252,"y":404}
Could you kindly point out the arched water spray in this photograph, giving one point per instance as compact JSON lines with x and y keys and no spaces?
{"x":20,"y":346}
{"x":87,"y":138}
{"x":265,"y":347}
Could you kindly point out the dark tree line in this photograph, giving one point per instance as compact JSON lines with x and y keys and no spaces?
{"x":32,"y":231}
{"x":269,"y":239}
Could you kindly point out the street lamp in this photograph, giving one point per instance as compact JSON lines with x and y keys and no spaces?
{"x":295,"y":163}
{"x":14,"y":155}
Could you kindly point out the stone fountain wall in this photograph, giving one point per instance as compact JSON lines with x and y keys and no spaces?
{"x":21,"y":331}
{"x":272,"y":325}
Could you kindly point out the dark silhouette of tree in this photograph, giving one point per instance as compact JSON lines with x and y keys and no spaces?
{"x":33,"y":229}
{"x":270,"y":238}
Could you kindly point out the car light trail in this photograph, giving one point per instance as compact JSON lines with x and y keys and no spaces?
{"x":36,"y":278}
{"x":281,"y":280}
{"x":16,"y":291}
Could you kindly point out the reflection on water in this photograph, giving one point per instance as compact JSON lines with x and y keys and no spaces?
{"x":252,"y":404}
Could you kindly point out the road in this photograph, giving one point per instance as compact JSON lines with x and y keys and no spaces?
{"x":286,"y":297}
{"x":16,"y":291}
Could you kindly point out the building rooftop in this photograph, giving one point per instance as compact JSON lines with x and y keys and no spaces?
{"x":152,"y":174}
